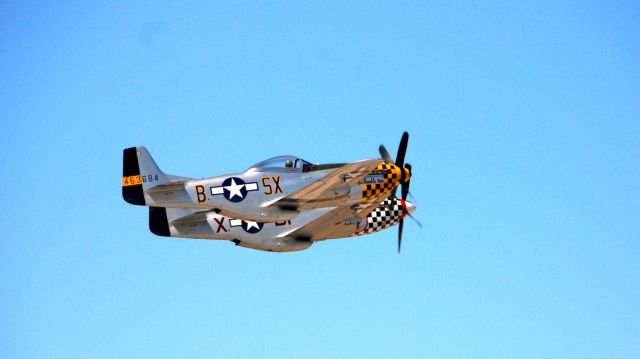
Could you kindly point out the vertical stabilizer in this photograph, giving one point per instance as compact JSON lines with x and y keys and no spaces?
{"x":139,"y":174}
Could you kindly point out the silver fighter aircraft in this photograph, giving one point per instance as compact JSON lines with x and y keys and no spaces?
{"x":282,"y":204}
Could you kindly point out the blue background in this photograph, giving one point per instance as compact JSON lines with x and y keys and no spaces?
{"x":524,"y":122}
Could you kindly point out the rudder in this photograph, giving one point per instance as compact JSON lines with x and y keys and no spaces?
{"x":158,"y":221}
{"x":132,"y":191}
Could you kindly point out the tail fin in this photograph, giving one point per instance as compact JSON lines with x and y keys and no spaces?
{"x":179,"y":222}
{"x":158,"y":221}
{"x":139,"y":173}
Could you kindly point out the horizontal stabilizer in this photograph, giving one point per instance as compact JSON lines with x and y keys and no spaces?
{"x":190,"y":219}
{"x":173,"y":186}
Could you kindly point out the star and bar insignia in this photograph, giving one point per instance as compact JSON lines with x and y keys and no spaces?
{"x":234,"y":189}
{"x":248,"y":226}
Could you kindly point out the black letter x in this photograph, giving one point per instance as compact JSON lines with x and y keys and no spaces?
{"x":276,"y":180}
{"x":220,"y":225}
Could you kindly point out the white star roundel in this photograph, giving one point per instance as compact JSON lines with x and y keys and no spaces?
{"x":234,"y":189}
{"x":248,"y":226}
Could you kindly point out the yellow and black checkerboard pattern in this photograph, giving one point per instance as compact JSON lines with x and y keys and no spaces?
{"x":392,"y":175}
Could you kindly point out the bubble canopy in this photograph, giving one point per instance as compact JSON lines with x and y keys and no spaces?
{"x":281,"y":163}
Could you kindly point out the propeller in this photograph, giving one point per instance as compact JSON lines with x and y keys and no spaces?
{"x":404,"y":192}
{"x":405,"y":186}
{"x":385,"y":154}
{"x":402,"y":149}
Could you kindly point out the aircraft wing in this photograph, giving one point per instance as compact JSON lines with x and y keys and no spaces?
{"x":339,"y":223}
{"x":330,"y":189}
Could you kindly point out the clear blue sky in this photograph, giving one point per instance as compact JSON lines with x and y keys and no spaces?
{"x":525,"y":125}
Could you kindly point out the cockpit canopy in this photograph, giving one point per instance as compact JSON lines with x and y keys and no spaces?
{"x":281,"y":164}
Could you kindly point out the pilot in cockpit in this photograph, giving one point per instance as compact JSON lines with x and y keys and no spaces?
{"x":288,"y":163}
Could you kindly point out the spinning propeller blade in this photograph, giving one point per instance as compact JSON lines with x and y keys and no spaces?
{"x":385,"y":154}
{"x":405,"y":186}
{"x":402,"y":149}
{"x":400,"y":234}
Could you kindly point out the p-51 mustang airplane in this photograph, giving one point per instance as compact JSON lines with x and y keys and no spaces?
{"x":281,"y":204}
